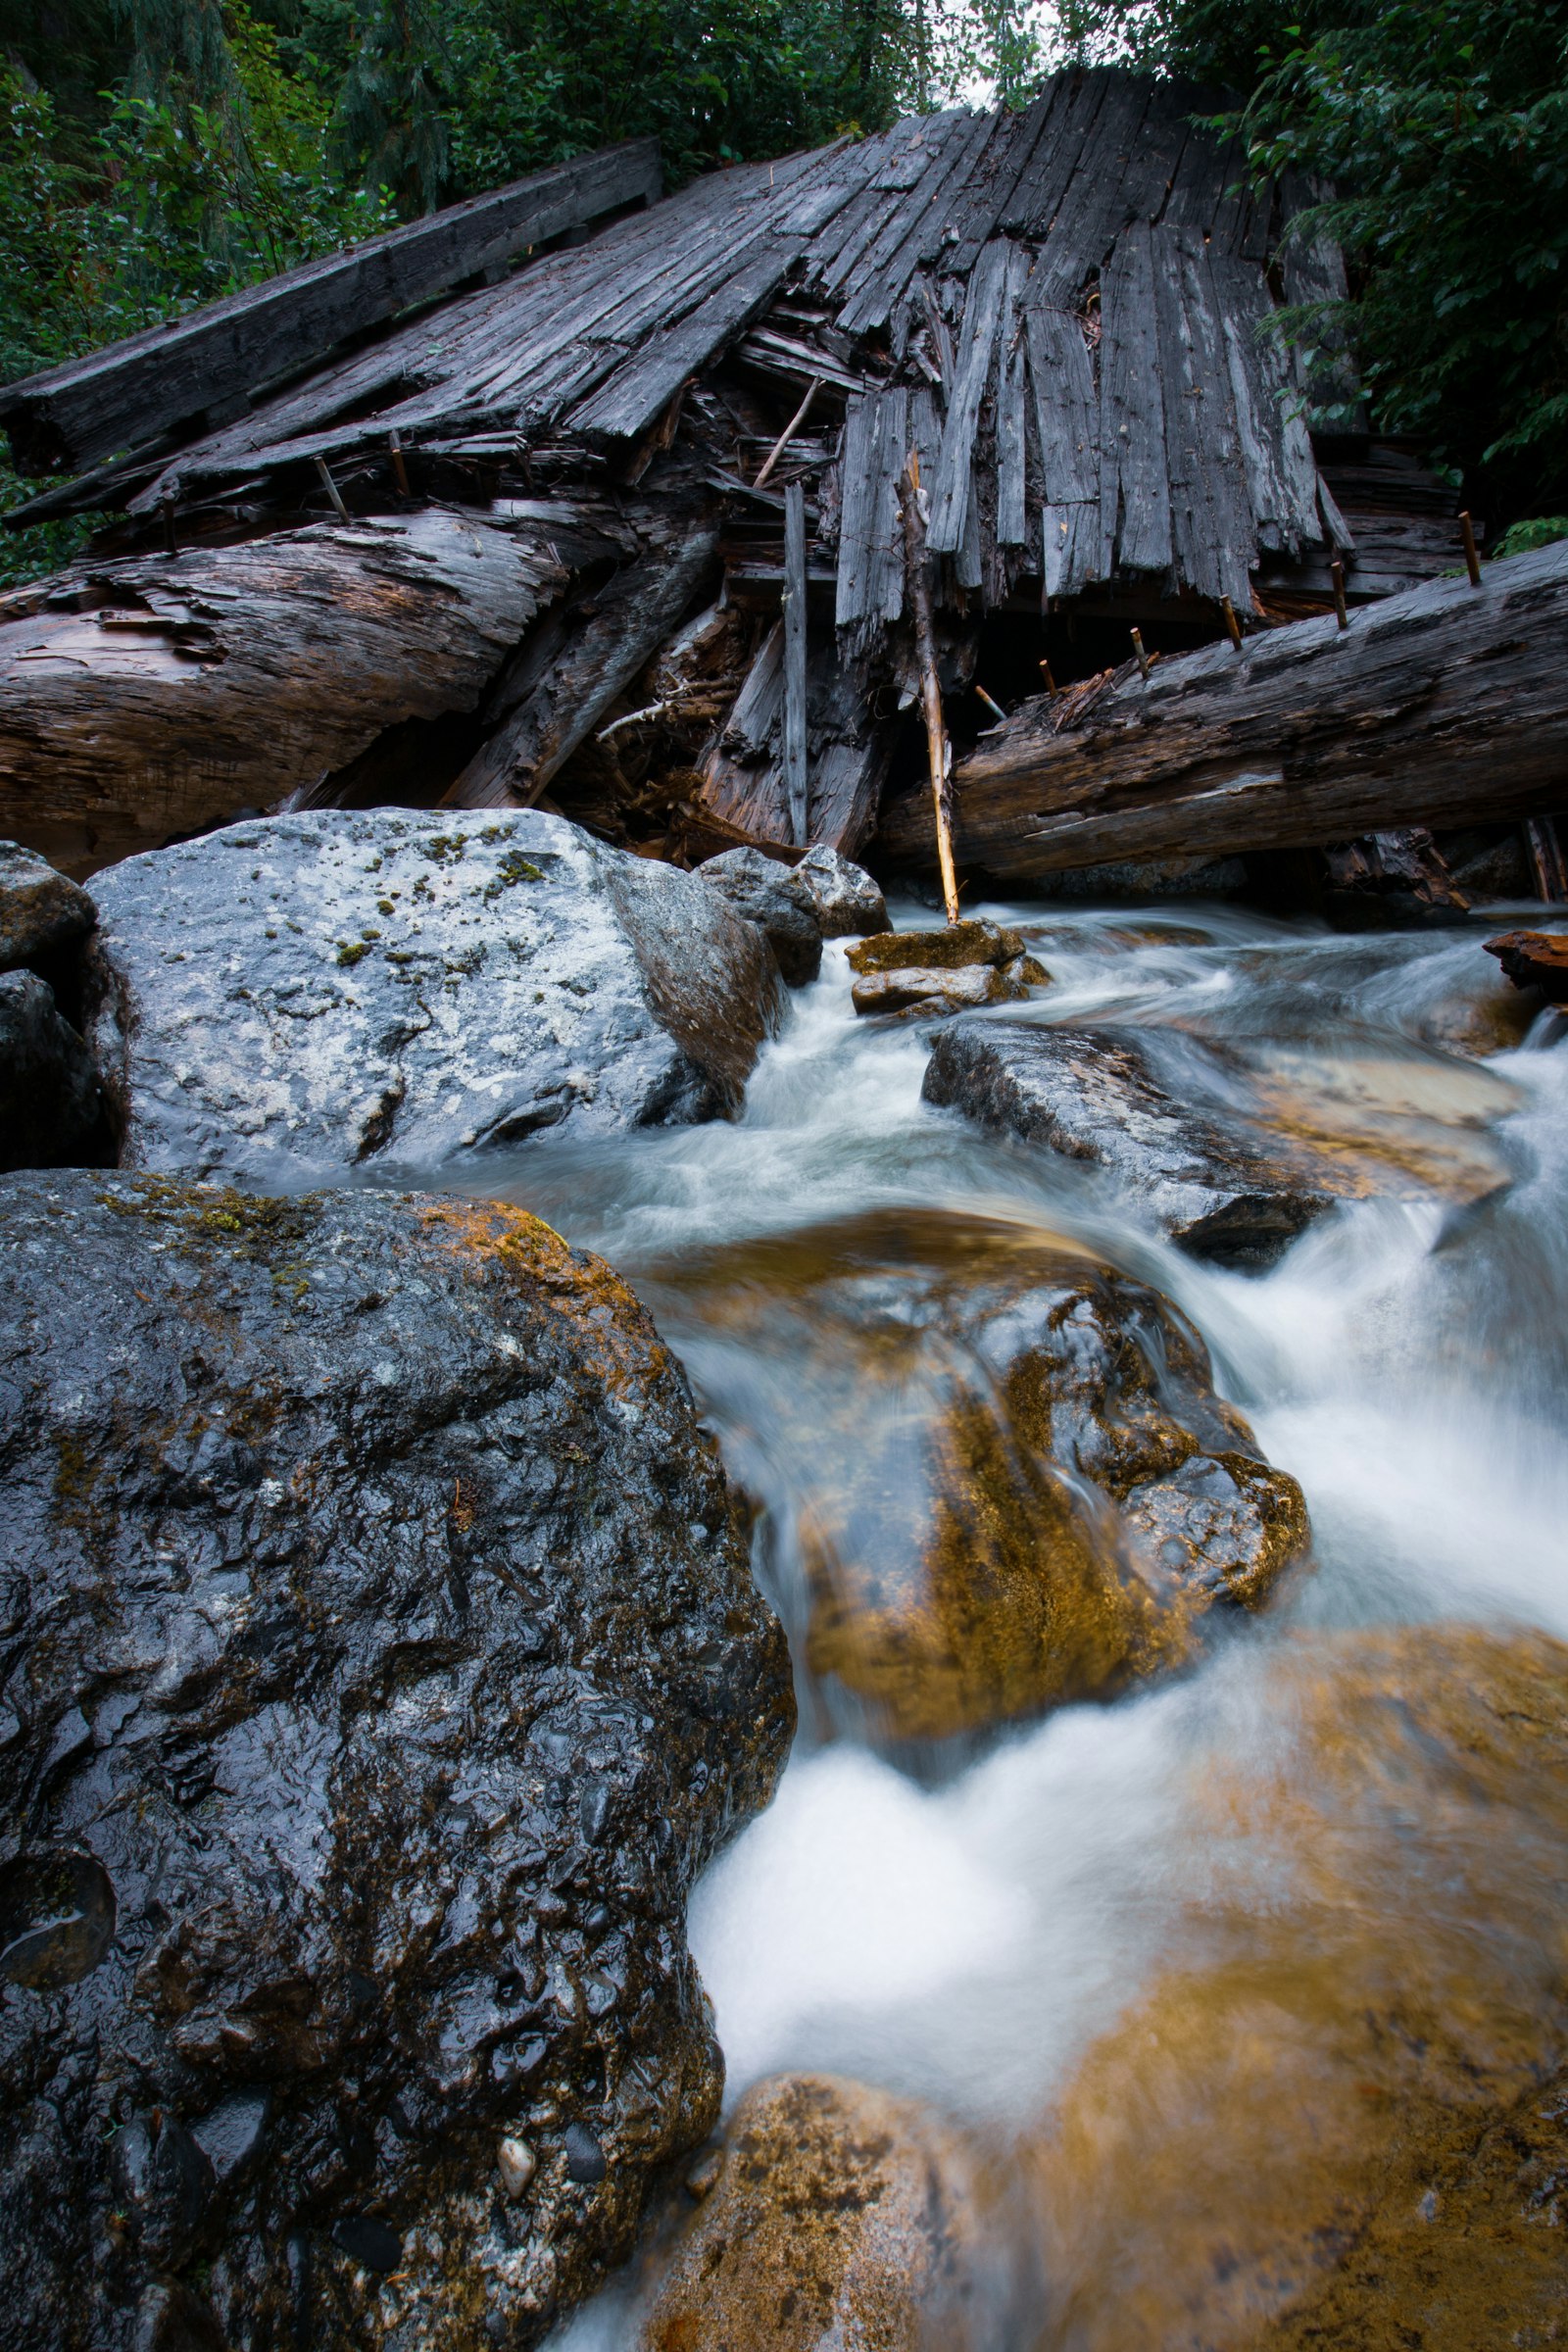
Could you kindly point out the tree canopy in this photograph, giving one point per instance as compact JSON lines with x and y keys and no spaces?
{"x":157,"y":152}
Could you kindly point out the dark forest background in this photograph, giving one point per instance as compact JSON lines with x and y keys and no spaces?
{"x":157,"y":152}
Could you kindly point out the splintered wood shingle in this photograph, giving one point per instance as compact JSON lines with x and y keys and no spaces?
{"x":1210,"y":507}
{"x":949,"y":490}
{"x":1135,"y":522}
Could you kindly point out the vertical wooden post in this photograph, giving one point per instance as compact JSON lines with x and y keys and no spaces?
{"x":1047,"y":675}
{"x":939,"y":752}
{"x":794,"y":776}
{"x":1472,"y":559}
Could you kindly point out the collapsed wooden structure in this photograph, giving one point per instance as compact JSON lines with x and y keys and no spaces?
{"x":573,"y":493}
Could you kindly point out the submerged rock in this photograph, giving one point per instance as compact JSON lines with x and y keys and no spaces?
{"x":1534,"y":960}
{"x":41,"y":911}
{"x":841,"y":2216}
{"x":315,"y":992}
{"x":1012,"y":1481}
{"x":1093,"y":1097}
{"x":51,"y":1104}
{"x":1332,"y":2120}
{"x":382,"y":1662}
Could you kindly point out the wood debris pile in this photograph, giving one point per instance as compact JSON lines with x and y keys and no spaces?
{"x":493,"y":511}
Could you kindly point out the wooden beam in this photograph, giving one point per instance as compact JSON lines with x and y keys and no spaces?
{"x":1447,"y":704}
{"x":939,"y":749}
{"x":794,"y":776}
{"x":75,"y":415}
{"x":589,"y":664}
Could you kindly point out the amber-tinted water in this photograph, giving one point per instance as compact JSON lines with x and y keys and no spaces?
{"x":954,"y":1894}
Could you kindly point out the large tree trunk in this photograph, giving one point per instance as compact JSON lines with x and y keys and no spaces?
{"x":1443,"y":705}
{"x":149,"y":698}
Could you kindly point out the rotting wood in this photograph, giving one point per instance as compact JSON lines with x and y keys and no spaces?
{"x":150,"y":697}
{"x":938,"y":751}
{"x":86,"y":410}
{"x":1433,"y":708}
{"x":633,"y":615}
{"x":795,"y":783}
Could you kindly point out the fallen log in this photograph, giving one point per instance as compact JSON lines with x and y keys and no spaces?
{"x":121,"y":397}
{"x":143,"y":699}
{"x":1444,"y":705}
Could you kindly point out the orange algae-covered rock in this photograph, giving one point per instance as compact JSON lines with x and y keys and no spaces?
{"x":1336,"y":2119}
{"x":842,"y":2216}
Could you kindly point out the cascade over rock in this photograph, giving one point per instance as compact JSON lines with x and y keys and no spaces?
{"x":382,"y":1661}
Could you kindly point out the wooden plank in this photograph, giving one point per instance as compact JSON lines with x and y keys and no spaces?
{"x":1212,"y":516}
{"x":870,"y":565}
{"x":634,"y":615}
{"x":1276,"y":446}
{"x":1134,"y":487}
{"x":1066,"y":407}
{"x":1433,"y":708}
{"x":796,"y":792}
{"x":85,"y":410}
{"x":639,"y":390}
{"x":1037,"y":199}
{"x":147,"y":698}
{"x":949,"y":490}
{"x":1012,"y":517}
{"x":885,"y":268}
{"x":1070,"y":536}
{"x":1094,"y":205}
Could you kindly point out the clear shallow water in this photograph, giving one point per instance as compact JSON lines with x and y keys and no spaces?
{"x":961,"y":1931}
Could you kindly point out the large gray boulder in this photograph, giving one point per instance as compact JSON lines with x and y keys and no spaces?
{"x":310,"y":993}
{"x":821,"y":896}
{"x":381,"y":1662}
{"x":51,"y":1104}
{"x":41,"y":911}
{"x":1096,"y":1098}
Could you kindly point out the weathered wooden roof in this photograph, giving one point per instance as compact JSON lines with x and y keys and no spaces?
{"x":1061,"y":307}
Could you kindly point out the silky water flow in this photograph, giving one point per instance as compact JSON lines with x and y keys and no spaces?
{"x":1003,"y":1916}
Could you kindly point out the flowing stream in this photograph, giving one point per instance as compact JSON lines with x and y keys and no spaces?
{"x":957,"y":1919}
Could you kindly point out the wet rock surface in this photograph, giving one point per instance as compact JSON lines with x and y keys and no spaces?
{"x":41,"y":912}
{"x":847,"y":901}
{"x":1333,"y":2121}
{"x":762,"y":890}
{"x":1094,"y":1096}
{"x":382,"y":1661}
{"x":1534,"y":960}
{"x":1013,"y":1482}
{"x":940,"y":972}
{"x":308,"y":994}
{"x":842,"y":2215}
{"x":51,"y":1104}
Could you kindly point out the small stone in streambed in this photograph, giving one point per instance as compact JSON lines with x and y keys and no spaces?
{"x":847,"y":902}
{"x":949,"y":948}
{"x":934,"y":989}
{"x":516,"y":2163}
{"x":1534,"y":959}
{"x":585,"y":2158}
{"x":40,"y":910}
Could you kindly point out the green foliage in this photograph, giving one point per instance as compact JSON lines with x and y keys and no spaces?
{"x":1442,"y":126}
{"x":1541,"y":531}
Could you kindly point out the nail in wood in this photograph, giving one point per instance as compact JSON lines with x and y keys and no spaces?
{"x":1233,"y":626}
{"x":1337,"y":575}
{"x":1052,"y":687}
{"x":990,"y":701}
{"x":1138,"y":648}
{"x":399,"y":469}
{"x":1472,"y":561}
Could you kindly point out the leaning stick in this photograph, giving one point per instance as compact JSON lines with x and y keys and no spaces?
{"x":938,"y":748}
{"x":793,"y":426}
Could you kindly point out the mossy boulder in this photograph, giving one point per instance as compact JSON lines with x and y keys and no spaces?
{"x":382,"y":1661}
{"x":303,"y":995}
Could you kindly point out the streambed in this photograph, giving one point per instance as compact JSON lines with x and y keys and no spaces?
{"x":960,"y":1915}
